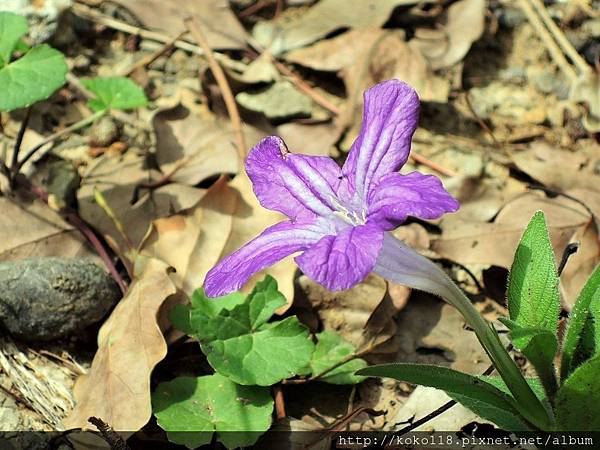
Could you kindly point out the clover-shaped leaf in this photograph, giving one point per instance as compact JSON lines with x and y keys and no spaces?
{"x":12,"y":28}
{"x":114,"y":93}
{"x":192,"y":409}
{"x":180,"y":314}
{"x":240,"y":344}
{"x":331,"y":349}
{"x":32,"y":78}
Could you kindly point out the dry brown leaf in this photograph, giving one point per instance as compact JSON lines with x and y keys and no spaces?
{"x":130,"y":344}
{"x":116,"y":178}
{"x":449,"y":45}
{"x":559,"y":169}
{"x":221,"y":27}
{"x":423,"y":400}
{"x":30,"y":228}
{"x":587,"y":89}
{"x":432,"y":332}
{"x":350,"y":312}
{"x":225,"y":219}
{"x":317,"y":139}
{"x":582,"y":263}
{"x":366,"y":56}
{"x":495,"y":243}
{"x":195,"y":146}
{"x":282,"y":35}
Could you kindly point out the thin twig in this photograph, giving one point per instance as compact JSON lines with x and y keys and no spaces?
{"x":479,"y":120}
{"x":569,"y":250}
{"x":95,"y":16}
{"x":279,"y":401}
{"x":420,"y":159}
{"x":561,"y":39}
{"x":77,"y":84}
{"x":73,"y":218}
{"x":53,"y":137}
{"x":341,"y":362}
{"x":432,"y":415}
{"x":14,"y":167}
{"x":111,"y":437}
{"x":4,"y":169}
{"x":254,"y":8}
{"x":297,"y":81}
{"x":149,"y":59}
{"x":552,"y":47}
{"x":219,"y":75}
{"x":305,"y":87}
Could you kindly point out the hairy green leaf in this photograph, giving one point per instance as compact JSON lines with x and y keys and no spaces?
{"x":533,"y":297}
{"x":32,"y":78}
{"x":191,"y":410}
{"x":115,"y":93}
{"x":331,"y":348}
{"x":539,"y":346}
{"x":507,"y":422}
{"x":12,"y":28}
{"x":583,"y":330}
{"x":578,"y":400}
{"x":481,"y":397}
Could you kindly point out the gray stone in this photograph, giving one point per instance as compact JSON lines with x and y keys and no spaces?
{"x":48,"y":298}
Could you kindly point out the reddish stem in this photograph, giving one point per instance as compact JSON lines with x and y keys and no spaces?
{"x":73,"y":218}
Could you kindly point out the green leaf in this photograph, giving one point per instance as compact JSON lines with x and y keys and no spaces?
{"x":22,"y":46}
{"x":505,"y":421}
{"x":32,"y":78}
{"x":539,"y":346}
{"x":180,"y":318}
{"x":12,"y":28}
{"x":577,"y":403}
{"x":481,"y":397}
{"x":191,"y":409}
{"x":240,"y":344}
{"x":533,"y":297}
{"x":583,"y":319}
{"x":114,"y":93}
{"x":211,"y":307}
{"x":331,"y":348}
{"x":263,"y":357}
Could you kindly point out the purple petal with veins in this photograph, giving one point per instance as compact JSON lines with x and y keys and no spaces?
{"x":338,"y":215}
{"x":398,"y":196}
{"x":271,"y":246}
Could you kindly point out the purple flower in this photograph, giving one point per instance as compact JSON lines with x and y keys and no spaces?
{"x":337,"y":216}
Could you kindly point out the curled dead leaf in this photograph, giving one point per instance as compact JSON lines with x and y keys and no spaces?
{"x":223,"y":31}
{"x":130,"y":344}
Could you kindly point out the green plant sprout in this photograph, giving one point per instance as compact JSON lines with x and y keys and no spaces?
{"x":571,"y":401}
{"x":30,"y":75}
{"x":249,"y":352}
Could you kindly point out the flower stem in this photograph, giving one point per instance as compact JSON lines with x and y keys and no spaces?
{"x":400,"y":264}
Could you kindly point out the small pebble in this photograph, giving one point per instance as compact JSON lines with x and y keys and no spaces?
{"x":104,"y":132}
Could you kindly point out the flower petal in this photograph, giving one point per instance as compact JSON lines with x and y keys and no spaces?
{"x":343,"y":260}
{"x":272,"y":245}
{"x":397,"y":196}
{"x":400,"y":264}
{"x":299,"y":186}
{"x":390,"y":118}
